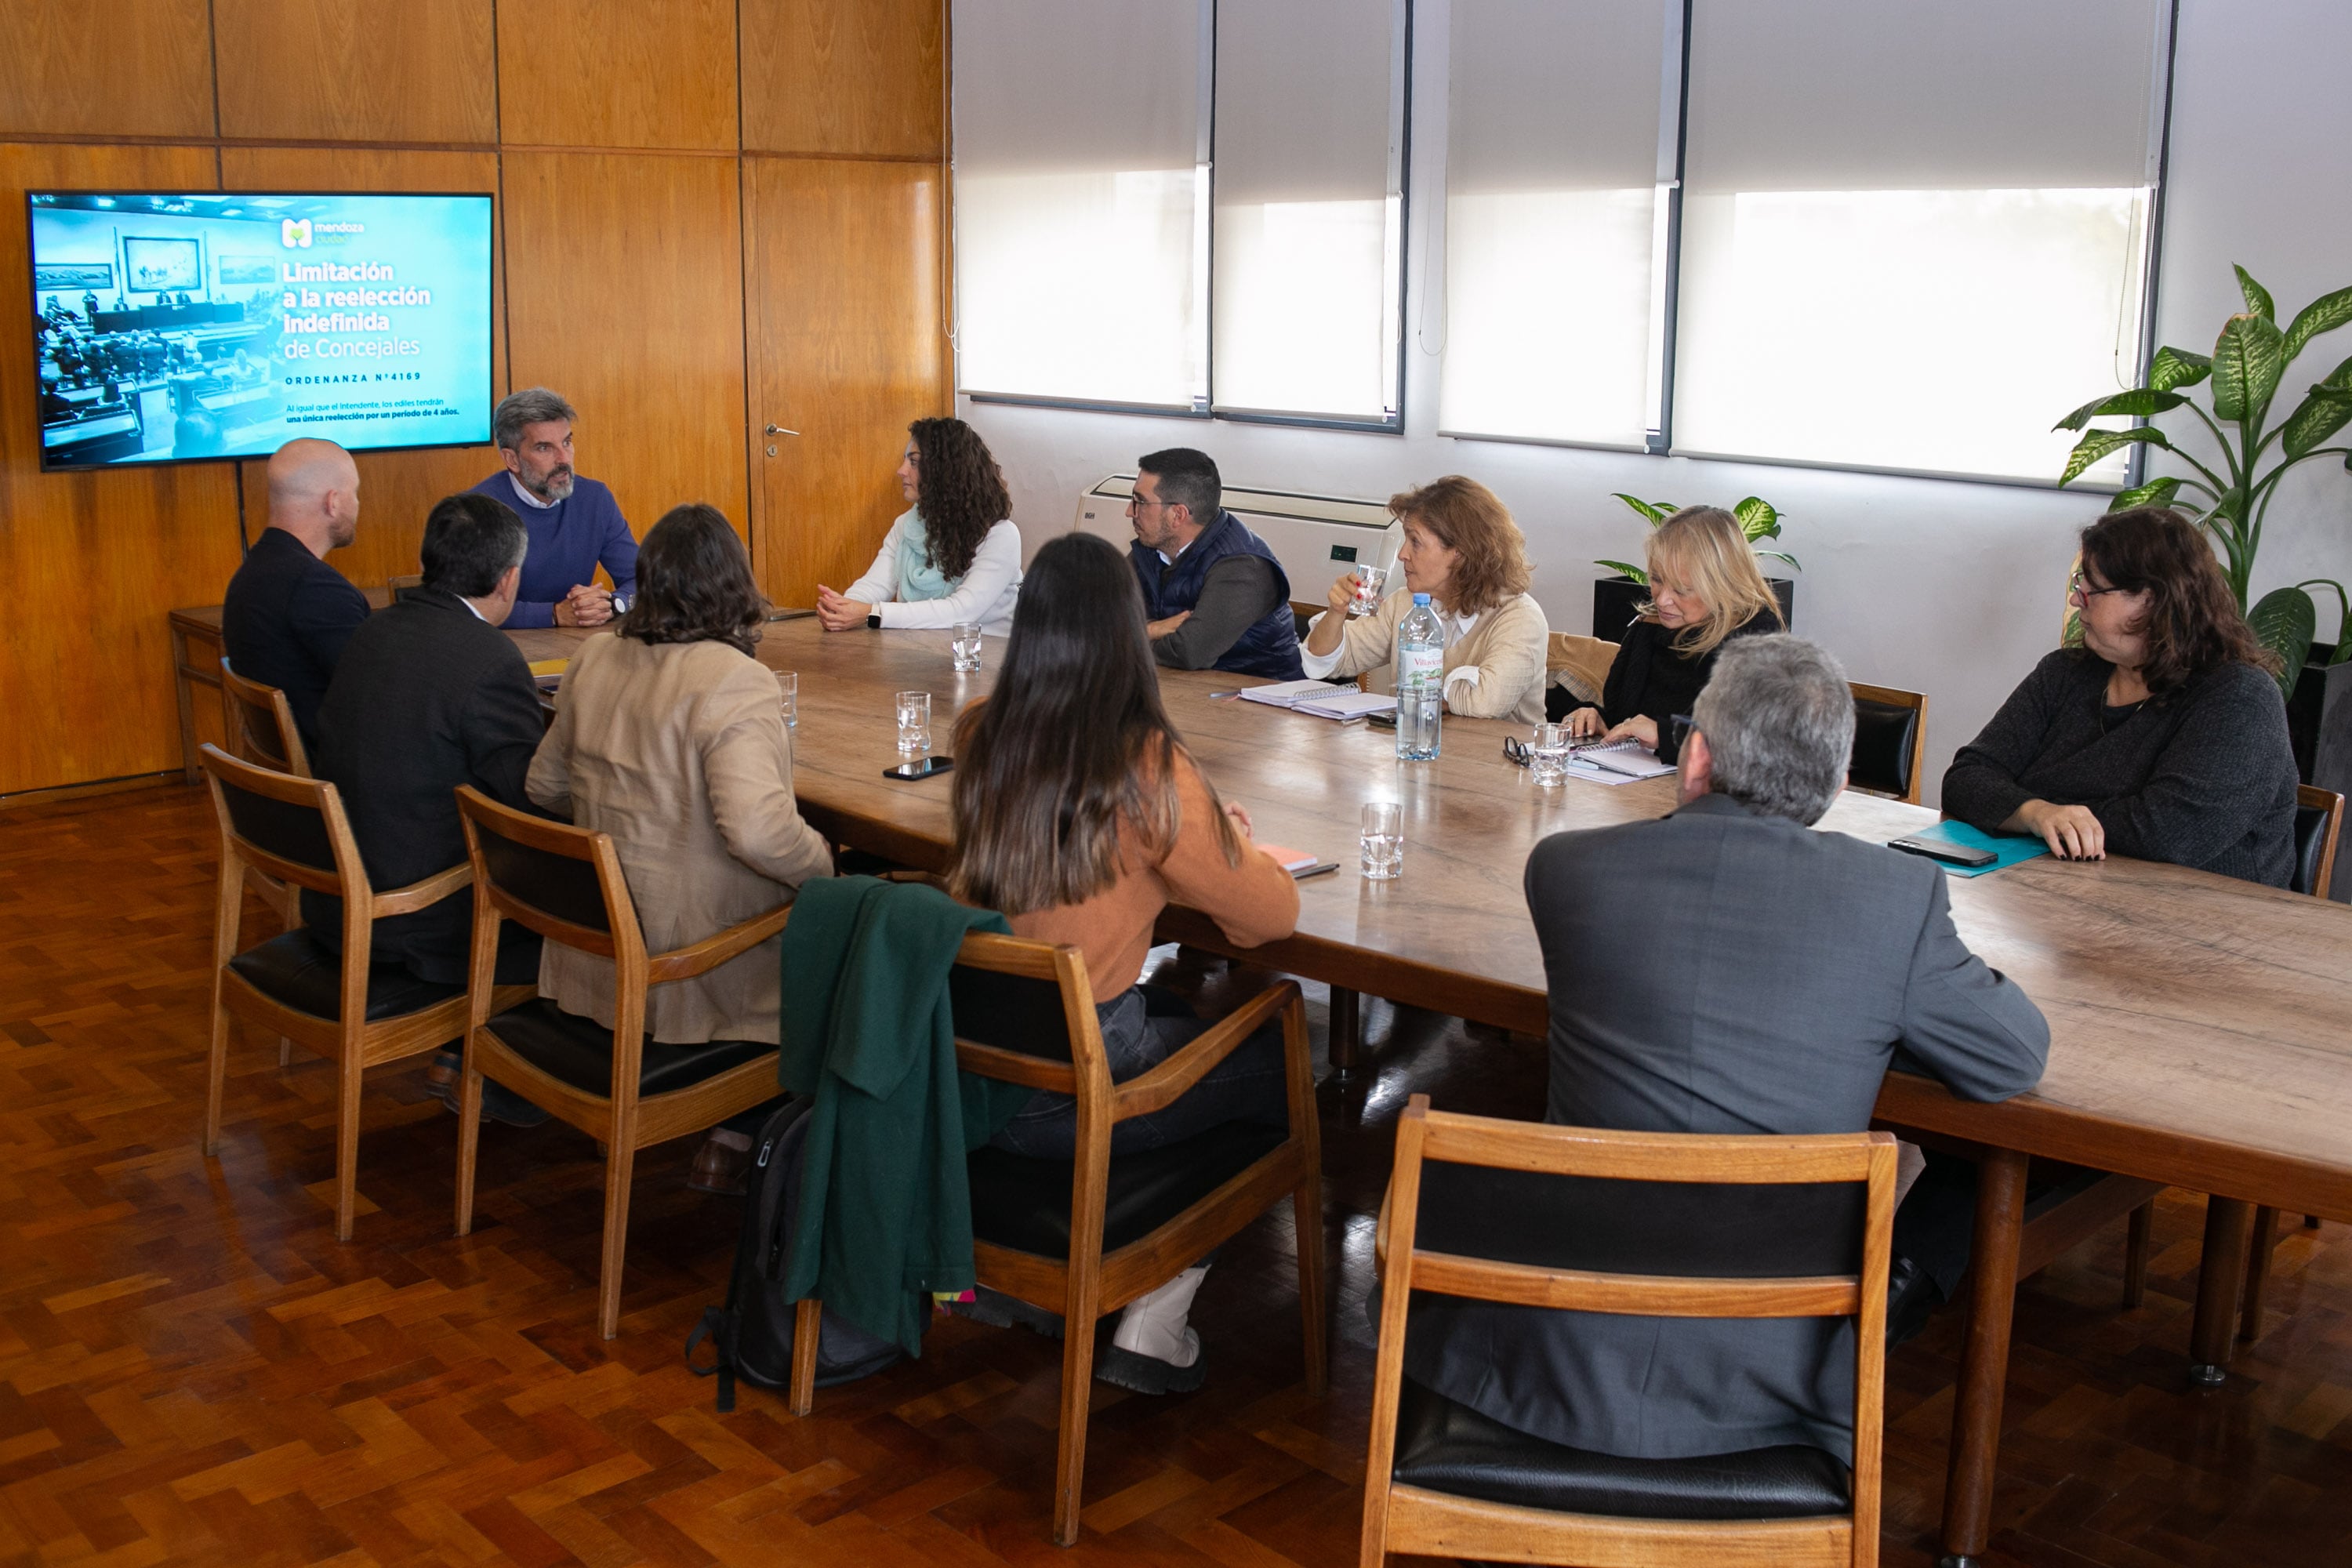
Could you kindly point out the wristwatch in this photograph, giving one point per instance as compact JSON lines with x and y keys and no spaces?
{"x":874,"y":621}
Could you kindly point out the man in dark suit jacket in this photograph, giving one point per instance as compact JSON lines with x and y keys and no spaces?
{"x":430,"y":695}
{"x":1724,"y":969}
{"x":289,"y":614}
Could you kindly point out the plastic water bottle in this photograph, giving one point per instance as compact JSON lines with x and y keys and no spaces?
{"x":1420,"y":680}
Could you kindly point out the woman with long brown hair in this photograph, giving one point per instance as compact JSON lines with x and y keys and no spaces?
{"x":2163,"y":736}
{"x":670,"y":737}
{"x":1080,"y":814}
{"x":952,"y":556}
{"x":1463,"y":549}
{"x":1705,"y":589}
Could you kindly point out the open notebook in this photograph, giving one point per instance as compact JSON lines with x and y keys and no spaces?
{"x":1320,"y":697}
{"x":1616,"y":763}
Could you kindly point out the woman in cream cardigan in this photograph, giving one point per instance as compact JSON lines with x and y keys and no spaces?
{"x":669,"y":736}
{"x":1463,"y":550}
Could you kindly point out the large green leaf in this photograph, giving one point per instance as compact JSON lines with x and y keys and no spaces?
{"x":2246,"y":365}
{"x":2099,"y":443}
{"x":2337,"y":380}
{"x":1657,"y":511}
{"x":2324,"y":314}
{"x":2174,"y":368}
{"x":2138,"y":403}
{"x":1780,"y":555}
{"x":2284,"y":622}
{"x":2258,"y":299}
{"x":2155,"y":492}
{"x":2321,"y":415}
{"x":1624,"y":569}
{"x":1757,"y":519}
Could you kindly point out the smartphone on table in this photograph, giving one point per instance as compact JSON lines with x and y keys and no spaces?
{"x":921,"y":768}
{"x":1944,"y":850}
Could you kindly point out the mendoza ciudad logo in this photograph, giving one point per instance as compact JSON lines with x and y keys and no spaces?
{"x":295,"y":232}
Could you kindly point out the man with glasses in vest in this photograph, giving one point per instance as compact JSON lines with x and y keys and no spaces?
{"x":1215,"y":597}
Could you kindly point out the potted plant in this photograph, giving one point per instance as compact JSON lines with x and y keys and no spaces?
{"x":2249,"y":360}
{"x":1616,"y":600}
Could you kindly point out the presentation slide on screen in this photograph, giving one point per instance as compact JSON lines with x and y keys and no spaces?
{"x":212,"y":325}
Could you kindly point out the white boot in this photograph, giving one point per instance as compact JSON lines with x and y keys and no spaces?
{"x":1154,"y":1325}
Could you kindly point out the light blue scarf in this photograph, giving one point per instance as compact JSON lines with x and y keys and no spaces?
{"x":917,"y":578}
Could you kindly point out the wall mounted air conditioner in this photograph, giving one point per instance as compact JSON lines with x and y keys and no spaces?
{"x":1317,"y":537}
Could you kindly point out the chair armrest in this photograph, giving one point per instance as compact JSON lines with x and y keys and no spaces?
{"x":701,"y":957}
{"x":419,"y":895}
{"x":1016,"y":1067}
{"x":1165,"y":1084}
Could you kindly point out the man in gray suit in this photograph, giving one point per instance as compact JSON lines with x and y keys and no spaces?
{"x":1726,"y":970}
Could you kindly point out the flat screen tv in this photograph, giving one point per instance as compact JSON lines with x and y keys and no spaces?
{"x":184,"y":326}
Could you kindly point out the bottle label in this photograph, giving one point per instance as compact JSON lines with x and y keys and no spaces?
{"x":1420,"y":666}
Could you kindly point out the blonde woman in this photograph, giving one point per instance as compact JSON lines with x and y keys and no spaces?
{"x":1462,"y":549}
{"x":1705,"y":589}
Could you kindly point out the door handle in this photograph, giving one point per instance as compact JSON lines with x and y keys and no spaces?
{"x":780,"y":430}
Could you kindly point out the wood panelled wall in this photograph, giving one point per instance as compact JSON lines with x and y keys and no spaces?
{"x":711,"y":214}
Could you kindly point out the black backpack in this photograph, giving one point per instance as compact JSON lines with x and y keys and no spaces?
{"x":753,"y":1332}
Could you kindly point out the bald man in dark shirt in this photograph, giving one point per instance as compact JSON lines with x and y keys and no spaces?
{"x":288,"y":613}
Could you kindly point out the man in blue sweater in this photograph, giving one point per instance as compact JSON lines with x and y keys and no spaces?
{"x":575,"y":524}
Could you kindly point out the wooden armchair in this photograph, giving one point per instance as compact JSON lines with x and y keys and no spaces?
{"x":355,"y":1012}
{"x":1444,"y":1481}
{"x":1084,"y":1237}
{"x":1890,"y":741}
{"x":619,"y":1085}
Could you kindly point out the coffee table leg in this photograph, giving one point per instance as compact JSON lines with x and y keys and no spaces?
{"x":1347,"y":1030}
{"x":2221,"y":1274}
{"x":1984,"y":1363}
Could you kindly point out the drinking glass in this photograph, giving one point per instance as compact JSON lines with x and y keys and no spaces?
{"x":914,"y":724}
{"x":1381,"y":845}
{"x":788,"y":683}
{"x":1369,"y":581}
{"x":965,"y":636}
{"x":1548,"y":755}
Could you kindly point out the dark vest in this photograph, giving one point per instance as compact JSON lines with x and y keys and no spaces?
{"x":1270,"y":646}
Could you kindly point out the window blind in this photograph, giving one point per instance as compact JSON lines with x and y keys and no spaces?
{"x":1081,"y":187}
{"x":1914,"y":233}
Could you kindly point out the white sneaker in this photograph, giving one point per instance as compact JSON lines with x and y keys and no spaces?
{"x":1155,"y":1326}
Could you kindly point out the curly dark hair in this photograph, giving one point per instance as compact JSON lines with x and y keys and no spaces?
{"x":958,"y":490}
{"x":2192,"y":622}
{"x":693,"y":583}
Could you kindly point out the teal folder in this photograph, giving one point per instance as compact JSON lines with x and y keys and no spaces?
{"x":2011,"y":847}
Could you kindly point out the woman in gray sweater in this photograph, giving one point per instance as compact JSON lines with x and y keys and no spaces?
{"x":2163,"y":736}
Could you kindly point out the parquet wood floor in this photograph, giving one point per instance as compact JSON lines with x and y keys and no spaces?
{"x":191,"y":1370}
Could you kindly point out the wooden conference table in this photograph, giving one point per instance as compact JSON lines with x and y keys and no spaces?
{"x":2202,"y":1028}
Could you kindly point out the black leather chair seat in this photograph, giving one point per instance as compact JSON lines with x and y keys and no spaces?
{"x":1448,"y":1447}
{"x":299,"y":972}
{"x":1024,"y":1204}
{"x":579,"y":1051}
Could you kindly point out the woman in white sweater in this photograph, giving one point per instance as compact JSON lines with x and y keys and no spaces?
{"x":953,"y":554}
{"x":1462,"y":549}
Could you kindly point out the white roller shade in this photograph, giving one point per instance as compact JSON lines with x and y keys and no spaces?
{"x":1081,"y":199}
{"x":1553,"y":219}
{"x":1914,"y":233}
{"x":1309,"y":249}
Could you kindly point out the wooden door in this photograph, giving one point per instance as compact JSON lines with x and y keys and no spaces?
{"x":848,"y":344}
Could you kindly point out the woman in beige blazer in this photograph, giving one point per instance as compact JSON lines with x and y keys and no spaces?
{"x":1462,"y":549}
{"x":670,"y":736}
